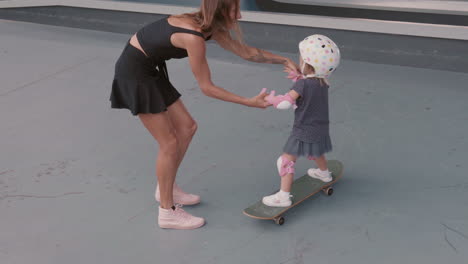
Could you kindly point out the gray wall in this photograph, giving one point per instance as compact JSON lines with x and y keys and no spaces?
{"x":401,"y":50}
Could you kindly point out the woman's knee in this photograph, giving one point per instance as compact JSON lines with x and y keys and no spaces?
{"x":193,"y":128}
{"x":188,"y":130}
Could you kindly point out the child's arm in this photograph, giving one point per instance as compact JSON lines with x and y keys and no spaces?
{"x":283,"y":102}
{"x":294,"y":95}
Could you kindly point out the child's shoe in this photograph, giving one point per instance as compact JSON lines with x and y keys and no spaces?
{"x":278,"y":199}
{"x":178,"y":219}
{"x":324,"y":176}
{"x":179,"y":196}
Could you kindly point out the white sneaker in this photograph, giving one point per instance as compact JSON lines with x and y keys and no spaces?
{"x":324,"y":176}
{"x":277,"y":200}
{"x":178,"y":219}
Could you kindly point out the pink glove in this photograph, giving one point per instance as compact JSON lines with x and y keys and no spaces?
{"x":281,"y":101}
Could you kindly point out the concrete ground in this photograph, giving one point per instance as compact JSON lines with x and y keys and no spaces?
{"x":77,"y":178}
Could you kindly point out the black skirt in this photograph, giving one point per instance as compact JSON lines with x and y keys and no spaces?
{"x":141,"y":84}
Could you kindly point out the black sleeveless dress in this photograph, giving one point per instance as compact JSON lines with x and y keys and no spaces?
{"x":141,"y":84}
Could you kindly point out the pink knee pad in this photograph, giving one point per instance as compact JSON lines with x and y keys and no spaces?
{"x":285,"y":166}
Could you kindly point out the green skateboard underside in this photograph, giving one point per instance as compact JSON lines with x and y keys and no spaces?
{"x":302,"y":188}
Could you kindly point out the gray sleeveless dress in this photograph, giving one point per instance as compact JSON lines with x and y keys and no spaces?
{"x":310,"y":136}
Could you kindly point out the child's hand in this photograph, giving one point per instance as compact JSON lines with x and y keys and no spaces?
{"x":271,"y":97}
{"x":294,"y":76}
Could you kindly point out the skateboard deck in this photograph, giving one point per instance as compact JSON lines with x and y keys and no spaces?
{"x":302,"y":188}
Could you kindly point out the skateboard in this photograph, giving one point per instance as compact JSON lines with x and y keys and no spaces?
{"x":302,"y":188}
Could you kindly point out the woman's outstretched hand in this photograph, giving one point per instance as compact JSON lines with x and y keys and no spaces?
{"x":290,"y":66}
{"x":259,"y":101}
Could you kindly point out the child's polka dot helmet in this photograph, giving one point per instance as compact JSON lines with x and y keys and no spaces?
{"x":321,"y":53}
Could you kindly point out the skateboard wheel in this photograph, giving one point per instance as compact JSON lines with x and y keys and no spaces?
{"x":279,"y":220}
{"x":328,"y":191}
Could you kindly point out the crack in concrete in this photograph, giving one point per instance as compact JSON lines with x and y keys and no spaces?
{"x":5,"y":172}
{"x":455,"y":231}
{"x":140,"y":213}
{"x":300,"y":247}
{"x":456,"y":186}
{"x":38,"y":196}
{"x":212,"y":166}
{"x":288,"y":260}
{"x":367,"y":235}
{"x":48,"y":76}
{"x":448,"y":242}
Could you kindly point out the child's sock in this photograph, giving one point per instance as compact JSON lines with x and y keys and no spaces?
{"x":283,"y":194}
{"x":325,"y":172}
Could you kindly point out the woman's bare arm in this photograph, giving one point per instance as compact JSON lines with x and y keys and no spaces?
{"x":196,"y":49}
{"x":253,"y":54}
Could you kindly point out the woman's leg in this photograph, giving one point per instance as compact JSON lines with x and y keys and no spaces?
{"x":184,"y":126}
{"x":160,"y":127}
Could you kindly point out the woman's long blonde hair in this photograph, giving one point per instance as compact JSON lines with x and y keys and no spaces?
{"x":214,"y":17}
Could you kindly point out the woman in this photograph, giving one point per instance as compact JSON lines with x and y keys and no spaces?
{"x":147,"y":92}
